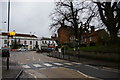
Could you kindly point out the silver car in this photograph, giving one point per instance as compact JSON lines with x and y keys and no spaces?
{"x":21,"y":49}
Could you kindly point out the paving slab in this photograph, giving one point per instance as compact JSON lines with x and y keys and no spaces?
{"x":12,"y":73}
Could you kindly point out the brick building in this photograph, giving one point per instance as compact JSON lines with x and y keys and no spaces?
{"x":99,"y":36}
{"x":65,"y":35}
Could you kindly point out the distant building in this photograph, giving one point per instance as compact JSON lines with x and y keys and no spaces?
{"x":45,"y":43}
{"x":23,"y":40}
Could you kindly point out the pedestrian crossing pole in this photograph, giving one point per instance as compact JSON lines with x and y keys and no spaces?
{"x":8,"y":32}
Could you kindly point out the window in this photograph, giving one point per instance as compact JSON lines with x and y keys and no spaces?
{"x":52,"y":42}
{"x":30,"y":42}
{"x":49,"y":42}
{"x":85,"y":40}
{"x":5,"y":41}
{"x":19,"y":41}
{"x":90,"y":38}
{"x":30,"y":47}
{"x":12,"y":42}
{"x":25,"y":42}
{"x":42,"y":42}
{"x":45,"y":42}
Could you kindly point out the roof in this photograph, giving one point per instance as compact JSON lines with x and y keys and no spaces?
{"x":20,"y":35}
{"x":44,"y":38}
{"x":93,"y":33}
{"x":67,"y":28}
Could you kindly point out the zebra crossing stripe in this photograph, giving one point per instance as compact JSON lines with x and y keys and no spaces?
{"x":37,"y":65}
{"x":76,"y":63}
{"x":26,"y":66}
{"x":46,"y":64}
{"x":58,"y":64}
{"x":68,"y":63}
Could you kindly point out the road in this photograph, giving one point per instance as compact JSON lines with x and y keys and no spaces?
{"x":36,"y":65}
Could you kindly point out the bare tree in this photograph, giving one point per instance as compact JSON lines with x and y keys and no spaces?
{"x":110,"y":15}
{"x":75,"y":14}
{"x":66,"y":13}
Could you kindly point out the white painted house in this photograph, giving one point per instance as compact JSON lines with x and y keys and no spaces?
{"x":24,"y":40}
{"x":27,"y":41}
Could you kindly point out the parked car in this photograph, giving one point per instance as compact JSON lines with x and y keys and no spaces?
{"x":21,"y":49}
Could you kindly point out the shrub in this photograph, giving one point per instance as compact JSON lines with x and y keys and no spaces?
{"x":83,"y":45}
{"x":92,"y":43}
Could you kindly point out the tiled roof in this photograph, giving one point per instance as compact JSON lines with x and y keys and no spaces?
{"x":44,"y":38}
{"x":20,"y":35}
{"x":92,"y":34}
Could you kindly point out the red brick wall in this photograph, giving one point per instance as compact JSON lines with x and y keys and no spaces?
{"x":64,"y":35}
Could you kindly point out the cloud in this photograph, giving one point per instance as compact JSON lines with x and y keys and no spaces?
{"x":32,"y":17}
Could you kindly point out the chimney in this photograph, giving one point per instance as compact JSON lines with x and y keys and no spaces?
{"x":92,"y":29}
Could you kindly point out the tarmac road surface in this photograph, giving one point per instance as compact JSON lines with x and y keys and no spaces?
{"x":37,"y":65}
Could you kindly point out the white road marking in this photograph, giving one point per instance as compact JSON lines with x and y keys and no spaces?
{"x":46,"y":64}
{"x":37,"y":65}
{"x":54,"y":67}
{"x":58,"y":64}
{"x":110,"y":69}
{"x":26,"y":66}
{"x":86,"y":75}
{"x":92,"y":66}
{"x":39,"y":59}
{"x":82,"y":74}
{"x":68,"y":63}
{"x":76,"y":63}
{"x":42,"y":68}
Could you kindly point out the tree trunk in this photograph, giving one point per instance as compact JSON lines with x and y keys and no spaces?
{"x":113,"y":36}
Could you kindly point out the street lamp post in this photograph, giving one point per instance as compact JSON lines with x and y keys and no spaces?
{"x":8,"y":32}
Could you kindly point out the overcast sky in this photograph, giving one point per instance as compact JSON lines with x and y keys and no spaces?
{"x":29,"y":16}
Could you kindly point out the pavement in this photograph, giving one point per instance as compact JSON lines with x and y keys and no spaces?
{"x":14,"y":70}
